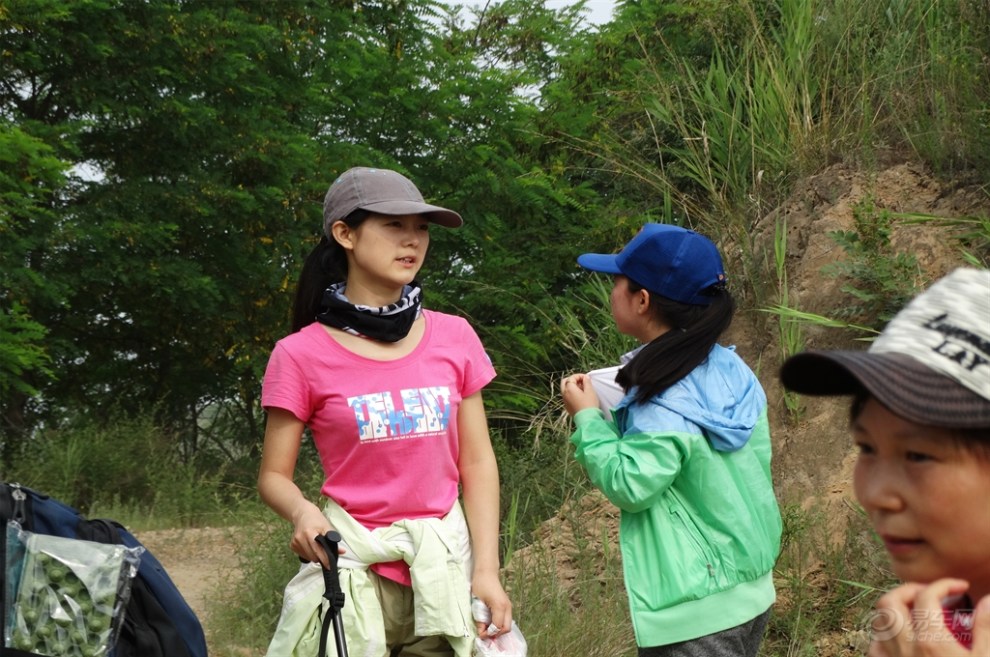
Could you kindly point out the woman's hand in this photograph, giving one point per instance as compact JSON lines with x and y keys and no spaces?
{"x":309,"y":522}
{"x":489,"y":590}
{"x":578,"y":394}
{"x":909,"y":622}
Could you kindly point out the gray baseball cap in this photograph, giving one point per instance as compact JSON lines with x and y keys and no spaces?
{"x":930,"y":365}
{"x":381,"y":191}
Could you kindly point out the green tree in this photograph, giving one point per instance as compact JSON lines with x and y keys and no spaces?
{"x":184,"y":117}
{"x":30,"y":180}
{"x":204,"y":134}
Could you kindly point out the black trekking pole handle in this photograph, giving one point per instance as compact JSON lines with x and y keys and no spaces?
{"x":331,"y":579}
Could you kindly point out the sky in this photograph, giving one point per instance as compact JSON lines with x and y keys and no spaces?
{"x":597,"y":11}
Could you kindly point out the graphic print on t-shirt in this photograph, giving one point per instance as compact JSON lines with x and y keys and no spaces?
{"x":418,"y":412}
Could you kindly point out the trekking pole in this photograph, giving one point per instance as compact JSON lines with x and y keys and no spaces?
{"x":331,"y":580}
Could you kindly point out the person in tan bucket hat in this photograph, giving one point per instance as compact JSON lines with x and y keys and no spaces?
{"x":391,"y":393}
{"x":920,"y":418}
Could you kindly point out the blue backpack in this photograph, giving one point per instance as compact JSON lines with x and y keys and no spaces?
{"x":157,"y":623}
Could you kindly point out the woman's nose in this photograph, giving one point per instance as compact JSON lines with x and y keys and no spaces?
{"x":877,"y":487}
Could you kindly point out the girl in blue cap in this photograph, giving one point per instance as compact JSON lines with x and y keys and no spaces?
{"x":686,"y":457}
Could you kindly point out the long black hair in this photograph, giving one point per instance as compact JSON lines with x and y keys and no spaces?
{"x":694,"y":330}
{"x":325,"y":265}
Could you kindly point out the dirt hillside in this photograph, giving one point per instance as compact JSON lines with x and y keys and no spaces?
{"x":810,"y":459}
{"x":812,"y":452}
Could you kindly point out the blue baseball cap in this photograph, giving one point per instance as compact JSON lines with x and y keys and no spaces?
{"x":671,"y":261}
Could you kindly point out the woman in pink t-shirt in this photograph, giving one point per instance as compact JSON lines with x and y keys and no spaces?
{"x":391,"y":393}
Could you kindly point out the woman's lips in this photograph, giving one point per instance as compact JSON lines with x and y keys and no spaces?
{"x":896,"y":545}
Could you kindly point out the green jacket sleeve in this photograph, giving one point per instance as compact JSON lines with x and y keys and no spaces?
{"x":632,"y":471}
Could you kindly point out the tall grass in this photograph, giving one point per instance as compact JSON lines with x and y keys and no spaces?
{"x":737,"y":132}
{"x":911,"y":75}
{"x":815,"y":82}
{"x":568,"y":593}
{"x":586,"y":333}
{"x":789,"y":330}
{"x":750,"y":117}
{"x":245,"y":610}
{"x":126,"y":468}
{"x":243,"y":615}
{"x":829,"y":574}
{"x":542,"y":476}
{"x":537,"y":470}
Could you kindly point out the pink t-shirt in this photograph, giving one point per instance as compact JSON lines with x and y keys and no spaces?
{"x":386,"y":431}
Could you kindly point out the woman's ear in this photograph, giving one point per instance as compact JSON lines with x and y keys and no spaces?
{"x":642,"y":302}
{"x":341,"y":232}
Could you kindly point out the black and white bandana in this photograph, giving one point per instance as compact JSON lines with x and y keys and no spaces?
{"x":388,"y":323}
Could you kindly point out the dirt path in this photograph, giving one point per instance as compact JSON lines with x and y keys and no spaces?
{"x":190,"y":556}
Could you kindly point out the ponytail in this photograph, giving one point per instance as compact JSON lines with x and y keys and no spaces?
{"x":694,"y":330}
{"x":325,"y":265}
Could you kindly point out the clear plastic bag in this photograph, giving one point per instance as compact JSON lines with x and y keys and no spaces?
{"x":510,"y":644}
{"x":65,"y":597}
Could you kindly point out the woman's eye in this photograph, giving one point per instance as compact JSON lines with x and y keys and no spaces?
{"x":864,"y":448}
{"x":917,"y":457}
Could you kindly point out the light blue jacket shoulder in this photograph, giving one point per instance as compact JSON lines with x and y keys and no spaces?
{"x":722,"y":396}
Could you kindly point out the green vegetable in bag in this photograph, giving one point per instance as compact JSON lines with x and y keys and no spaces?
{"x":71,"y":595}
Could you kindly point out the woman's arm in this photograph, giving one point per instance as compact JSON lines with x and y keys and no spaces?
{"x":480,"y":489}
{"x":632,"y":470}
{"x":283,"y":437}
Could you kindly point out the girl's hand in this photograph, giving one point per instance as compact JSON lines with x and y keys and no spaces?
{"x":308,"y":523}
{"x":578,"y":394}
{"x":489,"y":590}
{"x":910,"y":622}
